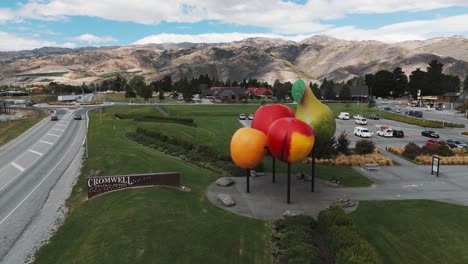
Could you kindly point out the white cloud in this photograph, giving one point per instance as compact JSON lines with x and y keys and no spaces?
{"x":92,"y":39}
{"x":6,"y":15}
{"x":413,"y":30}
{"x":279,"y":16}
{"x":210,"y":38}
{"x":12,"y":42}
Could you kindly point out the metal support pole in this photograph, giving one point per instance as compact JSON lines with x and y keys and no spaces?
{"x":289,"y":182}
{"x":274,"y":170}
{"x":248,"y":180}
{"x":313,"y":170}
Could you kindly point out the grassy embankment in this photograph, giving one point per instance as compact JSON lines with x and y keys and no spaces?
{"x":415,"y":232}
{"x":11,"y":129}
{"x":150,"y":225}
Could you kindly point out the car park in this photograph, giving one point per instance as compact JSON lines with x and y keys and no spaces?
{"x":242,"y":116}
{"x":398,"y":133}
{"x":360,"y":121}
{"x":433,"y":142}
{"x":362,"y":132}
{"x":430,"y":133}
{"x":251,"y":116}
{"x":385,"y":131}
{"x":344,"y":116}
{"x":374,"y":117}
{"x":456,"y":144}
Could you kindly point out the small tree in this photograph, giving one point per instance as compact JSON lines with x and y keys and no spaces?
{"x":411,"y":151}
{"x":343,"y":143}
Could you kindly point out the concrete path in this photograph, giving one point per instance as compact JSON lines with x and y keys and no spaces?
{"x":162,"y":112}
{"x":268,"y":201}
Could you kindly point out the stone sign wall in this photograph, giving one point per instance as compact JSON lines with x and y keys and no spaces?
{"x":103,"y":184}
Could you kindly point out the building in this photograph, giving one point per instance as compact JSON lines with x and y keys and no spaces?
{"x":260,"y":93}
{"x":225,"y":94}
{"x":358,"y":92}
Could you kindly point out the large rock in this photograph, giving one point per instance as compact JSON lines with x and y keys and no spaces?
{"x":226,"y":200}
{"x":292,"y":213}
{"x":223,"y":181}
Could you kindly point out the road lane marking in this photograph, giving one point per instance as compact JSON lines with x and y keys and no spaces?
{"x":49,"y":134}
{"x":57,"y":129}
{"x":46,"y":142}
{"x":61,"y":125}
{"x":17,"y":166}
{"x":39,"y":184}
{"x":36,"y":152}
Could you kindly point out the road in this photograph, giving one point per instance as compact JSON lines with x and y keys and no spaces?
{"x":31,"y":167}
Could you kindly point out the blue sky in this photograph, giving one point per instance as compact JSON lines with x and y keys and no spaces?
{"x":30,"y":24}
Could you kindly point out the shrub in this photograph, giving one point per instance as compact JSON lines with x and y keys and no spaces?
{"x":325,"y":150}
{"x":299,"y":220}
{"x":444,"y":150}
{"x":428,"y":150}
{"x":294,"y":236}
{"x":343,"y":143}
{"x":303,"y":253}
{"x":361,"y":252}
{"x":331,"y":217}
{"x":364,"y":146}
{"x":342,"y":237}
{"x":411,"y":151}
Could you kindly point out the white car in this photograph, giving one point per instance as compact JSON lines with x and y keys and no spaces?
{"x":344,"y":116}
{"x":360,"y":121}
{"x":362,"y":132}
{"x":385,"y":131}
{"x":251,"y":116}
{"x":242,"y":116}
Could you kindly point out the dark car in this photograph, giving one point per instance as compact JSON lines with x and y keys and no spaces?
{"x":417,"y":114}
{"x":430,"y":133}
{"x":456,"y":144}
{"x":398,"y":133}
{"x":374,"y":117}
{"x":433,"y":142}
{"x":54,"y":117}
{"x":388,"y":108}
{"x":77,"y":117}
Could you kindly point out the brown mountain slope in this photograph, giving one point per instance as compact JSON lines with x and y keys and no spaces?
{"x":312,"y":59}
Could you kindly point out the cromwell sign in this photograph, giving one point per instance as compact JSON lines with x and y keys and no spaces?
{"x":103,"y":184}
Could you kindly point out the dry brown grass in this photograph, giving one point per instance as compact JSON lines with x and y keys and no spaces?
{"x":460,"y":158}
{"x":356,"y":160}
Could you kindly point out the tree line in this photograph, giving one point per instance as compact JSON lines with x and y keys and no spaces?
{"x":396,"y":84}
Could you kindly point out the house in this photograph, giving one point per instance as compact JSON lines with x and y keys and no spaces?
{"x":260,"y":92}
{"x":358,"y":92}
{"x":227,"y":93}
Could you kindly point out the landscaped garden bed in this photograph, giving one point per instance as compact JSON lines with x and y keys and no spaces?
{"x":423,"y":155}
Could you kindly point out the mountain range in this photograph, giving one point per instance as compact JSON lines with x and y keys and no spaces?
{"x":311,"y":59}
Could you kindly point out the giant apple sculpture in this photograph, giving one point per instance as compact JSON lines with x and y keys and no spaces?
{"x":267,"y":114}
{"x":290,"y":139}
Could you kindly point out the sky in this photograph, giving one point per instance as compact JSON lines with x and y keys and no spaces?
{"x":30,"y":24}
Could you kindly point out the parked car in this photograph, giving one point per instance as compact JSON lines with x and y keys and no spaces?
{"x":54,"y":117}
{"x":398,"y":133}
{"x":344,"y":116}
{"x":456,"y":144}
{"x":242,"y":116}
{"x":385,"y":131}
{"x":387,"y":108}
{"x":251,"y":116}
{"x":362,"y":132}
{"x":374,"y":117}
{"x":360,"y":121}
{"x":430,"y":133}
{"x":417,"y":114}
{"x":433,"y":142}
{"x":77,"y":117}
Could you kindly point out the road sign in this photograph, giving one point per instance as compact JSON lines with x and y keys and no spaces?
{"x":435,"y":165}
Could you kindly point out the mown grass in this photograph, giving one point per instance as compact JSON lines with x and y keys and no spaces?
{"x":112,"y":74}
{"x":415,"y":232}
{"x":11,"y":129}
{"x":43,"y":74}
{"x":151,"y":225}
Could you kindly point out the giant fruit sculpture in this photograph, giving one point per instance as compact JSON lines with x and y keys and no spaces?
{"x":313,"y":112}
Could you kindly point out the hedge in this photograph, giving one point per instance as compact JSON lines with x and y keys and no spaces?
{"x":422,"y":122}
{"x":344,"y":240}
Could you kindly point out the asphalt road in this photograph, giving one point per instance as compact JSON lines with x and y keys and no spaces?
{"x":30,"y":168}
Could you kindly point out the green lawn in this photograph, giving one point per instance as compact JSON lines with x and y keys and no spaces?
{"x":11,"y":129}
{"x":150,"y":225}
{"x":415,"y":232}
